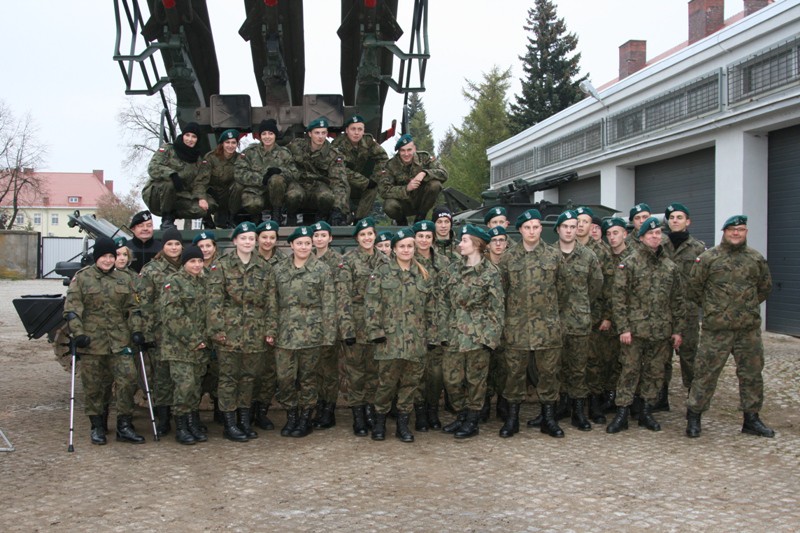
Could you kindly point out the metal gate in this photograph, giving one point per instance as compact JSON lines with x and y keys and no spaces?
{"x":55,"y":249}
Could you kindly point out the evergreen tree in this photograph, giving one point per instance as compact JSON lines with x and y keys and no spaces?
{"x":551,"y":66}
{"x":418,"y":125}
{"x":446,"y":144}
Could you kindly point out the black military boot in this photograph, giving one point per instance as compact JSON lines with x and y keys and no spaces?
{"x":232,"y":431}
{"x":562,"y":409}
{"x":369,"y":415}
{"x":402,"y":432}
{"x":511,"y":425}
{"x":182,"y":433}
{"x":303,"y":427}
{"x":328,"y":417}
{"x":392,"y":409}
{"x":125,"y":431}
{"x":662,"y":401}
{"x":537,"y":422}
{"x":501,"y":410}
{"x":105,"y":419}
{"x":360,"y":421}
{"x":754,"y":426}
{"x":98,"y":435}
{"x":486,"y":409}
{"x":379,"y":429}
{"x":610,"y":403}
{"x":163,"y":413}
{"x":692,"y":424}
{"x":208,"y":222}
{"x":636,"y":406}
{"x":448,"y":406}
{"x":549,"y":422}
{"x":646,"y":418}
{"x":167,"y":221}
{"x":420,"y":417}
{"x":453,"y":426}
{"x":318,"y":412}
{"x":261,"y":418}
{"x":578,"y":416}
{"x":291,"y":422}
{"x":244,"y":423}
{"x":218,"y":418}
{"x":596,"y":413}
{"x":620,"y":420}
{"x":433,"y":416}
{"x":470,"y":426}
{"x":196,"y":427}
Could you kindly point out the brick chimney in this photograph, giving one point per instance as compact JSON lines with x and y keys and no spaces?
{"x":751,"y":6}
{"x":110,"y":185}
{"x":632,"y":57}
{"x":98,"y":174}
{"x":705,"y":18}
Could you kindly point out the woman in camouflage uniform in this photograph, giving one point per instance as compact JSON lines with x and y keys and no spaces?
{"x":206,"y":241}
{"x":220,"y":163}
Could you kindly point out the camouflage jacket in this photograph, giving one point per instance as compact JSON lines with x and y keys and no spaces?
{"x":305,"y":305}
{"x":685,"y":256}
{"x":362,"y":160}
{"x":353,"y":275}
{"x":325,"y":165}
{"x":238,"y":307}
{"x":436,"y":263}
{"x":194,"y":176}
{"x":253,"y":162}
{"x":601,"y":305}
{"x":471,"y":309}
{"x":220,"y":173}
{"x":608,"y":283}
{"x":183,"y":313}
{"x":648,"y":297}
{"x":730,"y":282}
{"x":400,"y":306}
{"x":447,"y":248}
{"x":105,"y":309}
{"x":393,"y":181}
{"x":148,"y":288}
{"x":580,"y":282}
{"x":530,"y":286}
{"x":277,"y":257}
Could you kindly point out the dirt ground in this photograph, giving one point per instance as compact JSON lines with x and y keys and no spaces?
{"x":588,"y":481}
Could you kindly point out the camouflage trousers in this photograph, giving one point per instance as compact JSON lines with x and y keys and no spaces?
{"x":465,"y":375}
{"x":432,"y":384}
{"x":419,"y":203}
{"x":686,"y":353}
{"x":315,"y":195}
{"x":642,"y":369}
{"x":363,"y":199}
{"x":574,"y":356}
{"x":210,"y":380}
{"x":496,"y":380}
{"x":712,"y":354}
{"x":253,"y":200}
{"x":328,"y":372}
{"x":237,"y":373}
{"x":266,"y":381}
{"x":543,"y":365}
{"x":160,"y":198}
{"x":98,"y":371}
{"x":161,"y":381}
{"x":187,"y":378}
{"x":297,"y":377}
{"x":398,"y":378}
{"x":602,"y":367}
{"x":362,"y":373}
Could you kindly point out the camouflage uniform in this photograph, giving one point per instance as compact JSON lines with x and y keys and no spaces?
{"x":398,"y":202}
{"x":160,"y":196}
{"x":106,"y":311}
{"x":730,"y":282}
{"x":601,"y":358}
{"x":363,"y":161}
{"x":648,"y":302}
{"x":470,"y":318}
{"x":447,"y":247}
{"x":400,"y":307}
{"x":322,"y":177}
{"x":249,"y":193}
{"x":328,"y":364}
{"x":266,"y":382}
{"x":220,"y":182}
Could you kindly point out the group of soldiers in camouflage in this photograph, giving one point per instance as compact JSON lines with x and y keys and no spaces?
{"x":337,"y":181}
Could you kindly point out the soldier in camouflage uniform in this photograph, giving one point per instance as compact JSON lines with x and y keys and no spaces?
{"x":178,"y":184}
{"x":638,"y":214}
{"x":101,"y":311}
{"x":359,"y":364}
{"x":730,"y":282}
{"x":220,"y":165}
{"x":322,"y":174}
{"x":410,"y":183}
{"x":183,"y":314}
{"x":240,"y":320}
{"x":384,"y":242}
{"x":470,"y":318}
{"x":498,"y":371}
{"x":206,"y":241}
{"x":400,"y":319}
{"x":264,"y":173}
{"x":532,"y":328}
{"x":445,"y":240}
{"x":364,"y":158}
{"x":649,"y":311}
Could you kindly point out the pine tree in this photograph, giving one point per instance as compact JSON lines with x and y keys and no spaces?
{"x":418,"y":125}
{"x":551,"y":66}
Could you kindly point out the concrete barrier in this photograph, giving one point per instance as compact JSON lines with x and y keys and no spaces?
{"x":19,"y":254}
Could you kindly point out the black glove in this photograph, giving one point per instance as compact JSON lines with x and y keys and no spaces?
{"x":372,"y":184}
{"x":82,"y":341}
{"x":431,"y":346}
{"x":379,"y":340}
{"x":350,"y":341}
{"x":176,"y":182}
{"x":137,"y":338}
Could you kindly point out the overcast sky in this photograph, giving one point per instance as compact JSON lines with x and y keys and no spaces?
{"x":56,"y":61}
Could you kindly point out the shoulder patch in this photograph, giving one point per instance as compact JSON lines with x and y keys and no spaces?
{"x":162,"y":149}
{"x":204,"y":162}
{"x":339,"y":159}
{"x":167,"y":286}
{"x":696,"y":259}
{"x":213,"y":267}
{"x":621,"y":265}
{"x":341,"y":265}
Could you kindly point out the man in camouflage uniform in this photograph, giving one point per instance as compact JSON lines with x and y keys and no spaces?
{"x":444,"y":238}
{"x":638,"y":214}
{"x":101,"y":311}
{"x":322,"y":176}
{"x":497,"y":216}
{"x":496,"y":382}
{"x":410,"y":183}
{"x":730,"y":281}
{"x":263,"y":173}
{"x":649,"y":310}
{"x":364,"y":158}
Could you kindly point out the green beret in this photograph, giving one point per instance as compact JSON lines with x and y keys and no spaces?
{"x":385,"y":236}
{"x":402,"y":141}
{"x":320,"y":226}
{"x":300,"y":231}
{"x":244,"y":227}
{"x":583,"y":210}
{"x":675,"y":206}
{"x":355,"y":119}
{"x":494,"y":212}
{"x":268,"y":225}
{"x":497,"y":231}
{"x":638,"y":208}
{"x":203,"y":235}
{"x":735,"y":220}
{"x":475,"y":231}
{"x":228,"y":134}
{"x":402,"y":233}
{"x":364,"y":223}
{"x":530,"y":214}
{"x":566,"y":215}
{"x":120,"y":241}
{"x":616,"y":221}
{"x":423,"y":225}
{"x":649,"y":225}
{"x":321,"y":122}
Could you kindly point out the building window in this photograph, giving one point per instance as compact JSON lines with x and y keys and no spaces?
{"x":20,"y":220}
{"x":54,"y":219}
{"x":74,"y":199}
{"x":37,"y":219}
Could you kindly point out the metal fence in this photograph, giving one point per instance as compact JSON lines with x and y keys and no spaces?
{"x":55,"y":249}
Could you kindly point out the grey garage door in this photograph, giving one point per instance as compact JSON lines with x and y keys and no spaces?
{"x":783,"y":233}
{"x":580,"y":192}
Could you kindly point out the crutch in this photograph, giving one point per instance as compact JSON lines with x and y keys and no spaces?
{"x":147,"y":391}
{"x":72,"y":350}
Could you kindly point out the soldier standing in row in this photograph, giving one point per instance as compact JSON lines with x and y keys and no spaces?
{"x":445,"y":241}
{"x":496,"y":382}
{"x":142,"y":245}
{"x":206,"y":241}
{"x":384,"y":242}
{"x":730,"y":282}
{"x":638,"y":214}
{"x":220,"y":168}
{"x":364,"y":159}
